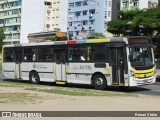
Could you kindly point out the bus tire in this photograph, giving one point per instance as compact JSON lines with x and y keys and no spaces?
{"x":99,"y":82}
{"x":34,"y":77}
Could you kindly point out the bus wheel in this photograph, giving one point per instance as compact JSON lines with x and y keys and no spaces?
{"x":34,"y":77}
{"x":99,"y":82}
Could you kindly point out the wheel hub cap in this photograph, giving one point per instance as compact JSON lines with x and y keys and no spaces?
{"x":99,"y":82}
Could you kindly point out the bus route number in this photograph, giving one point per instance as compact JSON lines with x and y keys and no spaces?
{"x":86,"y":67}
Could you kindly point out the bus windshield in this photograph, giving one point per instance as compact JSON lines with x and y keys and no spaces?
{"x":141,"y":56}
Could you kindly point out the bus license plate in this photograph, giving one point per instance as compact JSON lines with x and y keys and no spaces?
{"x":145,"y":81}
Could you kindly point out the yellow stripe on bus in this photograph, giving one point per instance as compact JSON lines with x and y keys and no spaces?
{"x":67,"y":69}
{"x":144,"y":75}
{"x":144,"y":71}
{"x":107,"y":70}
{"x":60,"y":83}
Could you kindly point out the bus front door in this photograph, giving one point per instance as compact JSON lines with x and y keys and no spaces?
{"x":17,"y":57}
{"x":117,"y":63}
{"x":60,"y":65}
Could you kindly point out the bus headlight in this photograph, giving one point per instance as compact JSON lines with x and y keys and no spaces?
{"x":132,"y":73}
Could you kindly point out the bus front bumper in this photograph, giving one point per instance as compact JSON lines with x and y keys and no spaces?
{"x":144,"y":81}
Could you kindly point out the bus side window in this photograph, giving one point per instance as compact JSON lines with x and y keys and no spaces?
{"x":28,"y":54}
{"x":25,"y":58}
{"x":8,"y":55}
{"x":96,"y":53}
{"x":48,"y":57}
{"x":45,"y":54}
{"x":70,"y":57}
{"x":77,"y":52}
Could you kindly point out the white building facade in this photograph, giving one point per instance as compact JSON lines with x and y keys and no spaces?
{"x":138,"y":4}
{"x":56,"y":15}
{"x":21,"y":17}
{"x":89,"y":16}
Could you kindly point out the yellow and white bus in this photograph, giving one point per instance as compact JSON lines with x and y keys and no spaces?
{"x":116,"y":61}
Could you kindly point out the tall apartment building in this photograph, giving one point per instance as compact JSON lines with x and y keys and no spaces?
{"x":140,"y":4}
{"x":56,"y":15}
{"x":88,"y":16}
{"x":20,"y":17}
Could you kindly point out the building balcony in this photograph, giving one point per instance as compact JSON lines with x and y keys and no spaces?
{"x":80,"y":18}
{"x":12,"y":0}
{"x":80,"y":28}
{"x":10,"y":16}
{"x":9,"y":8}
{"x":11,"y":32}
{"x":10,"y":24}
{"x":75,"y":28}
{"x":11,"y":40}
{"x":81,"y":8}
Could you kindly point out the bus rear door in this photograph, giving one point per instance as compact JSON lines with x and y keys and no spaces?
{"x":60,"y":65}
{"x":17,"y":57}
{"x":117,"y":64}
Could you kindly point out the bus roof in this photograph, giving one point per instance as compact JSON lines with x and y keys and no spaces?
{"x":112,"y":39}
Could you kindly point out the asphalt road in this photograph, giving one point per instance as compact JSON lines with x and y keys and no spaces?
{"x":153,"y":89}
{"x":145,"y":90}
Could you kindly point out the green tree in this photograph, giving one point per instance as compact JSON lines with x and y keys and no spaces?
{"x":96,"y":35}
{"x":138,"y":22}
{"x":147,"y":22}
{"x":2,"y":37}
{"x":122,"y":26}
{"x":118,"y":27}
{"x":129,"y":14}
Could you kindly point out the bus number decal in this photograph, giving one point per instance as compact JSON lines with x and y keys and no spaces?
{"x":86,"y":67}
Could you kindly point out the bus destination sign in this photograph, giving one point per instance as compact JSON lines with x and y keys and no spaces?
{"x":138,"y":40}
